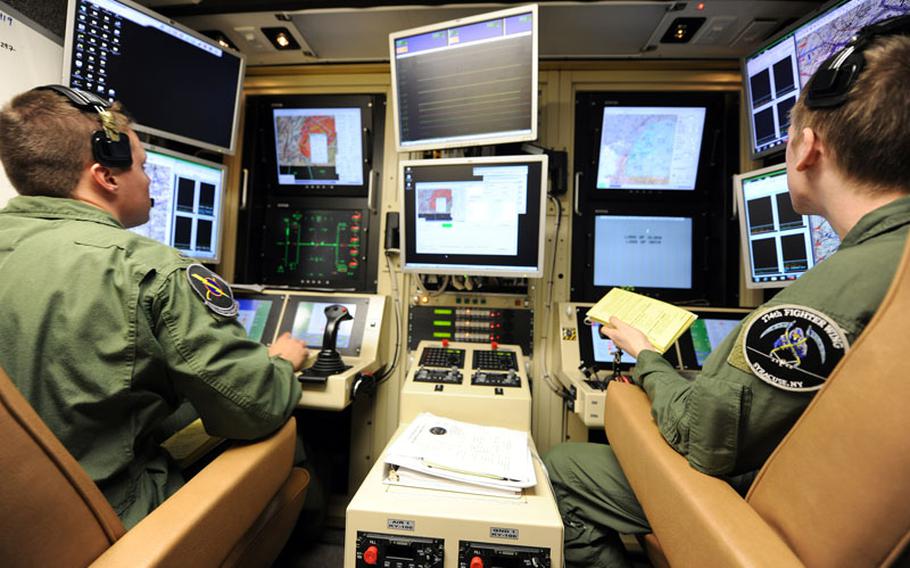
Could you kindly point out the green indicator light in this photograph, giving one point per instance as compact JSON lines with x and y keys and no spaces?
{"x":442,"y":312}
{"x":447,"y":225}
{"x":442,"y":335}
{"x":442,"y":323}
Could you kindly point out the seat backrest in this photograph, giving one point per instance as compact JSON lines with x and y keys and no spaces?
{"x":51,"y":513}
{"x":837,"y":489}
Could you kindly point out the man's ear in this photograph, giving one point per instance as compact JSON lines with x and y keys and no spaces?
{"x":809,"y":150}
{"x":104,"y":177}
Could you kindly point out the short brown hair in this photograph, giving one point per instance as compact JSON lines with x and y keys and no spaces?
{"x":45,"y":142}
{"x":869,"y":135}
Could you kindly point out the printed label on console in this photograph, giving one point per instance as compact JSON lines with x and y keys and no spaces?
{"x":499,"y":532}
{"x":400,"y":525}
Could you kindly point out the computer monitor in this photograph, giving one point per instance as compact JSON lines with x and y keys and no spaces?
{"x":319,"y":146}
{"x":650,"y":147}
{"x":259,"y":314}
{"x":174,"y":82}
{"x":316,"y":248}
{"x":651,"y":252}
{"x":706,"y":334}
{"x":778,"y":244}
{"x":594,"y":349}
{"x":466,"y":82}
{"x":304,"y":317}
{"x":188,"y":212}
{"x":474,"y":216}
{"x":775,"y":74}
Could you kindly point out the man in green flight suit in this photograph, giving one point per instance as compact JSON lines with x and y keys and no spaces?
{"x":846,"y":161}
{"x":106,"y":332}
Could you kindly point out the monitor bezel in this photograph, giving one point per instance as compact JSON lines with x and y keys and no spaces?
{"x":275,"y":310}
{"x":745,"y":249}
{"x":357,"y":326}
{"x":688,"y":361}
{"x":768,"y":44}
{"x":700,"y":230}
{"x":586,"y":342}
{"x":221,"y":210}
{"x":302,"y":101}
{"x":701,"y":164}
{"x":412,"y":267}
{"x":474,"y":140}
{"x":241,"y":71}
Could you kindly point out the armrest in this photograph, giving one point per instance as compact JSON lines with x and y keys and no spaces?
{"x":698,"y":519}
{"x":201,"y":523}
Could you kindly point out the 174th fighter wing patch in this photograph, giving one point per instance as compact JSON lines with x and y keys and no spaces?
{"x":793,"y":347}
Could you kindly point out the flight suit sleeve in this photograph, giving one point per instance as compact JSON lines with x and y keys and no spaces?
{"x":238,"y":390}
{"x":701,"y":419}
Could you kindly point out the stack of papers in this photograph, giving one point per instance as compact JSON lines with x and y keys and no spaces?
{"x":662,"y":323}
{"x":440,"y":453}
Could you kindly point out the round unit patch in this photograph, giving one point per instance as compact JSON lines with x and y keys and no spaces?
{"x":213,"y":290}
{"x":793,"y":347}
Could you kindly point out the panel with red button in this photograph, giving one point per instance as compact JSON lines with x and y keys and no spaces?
{"x":394,"y":551}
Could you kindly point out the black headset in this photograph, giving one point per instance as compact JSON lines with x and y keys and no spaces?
{"x":110,"y":147}
{"x":830,"y":86}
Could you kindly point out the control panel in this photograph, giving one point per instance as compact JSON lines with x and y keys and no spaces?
{"x":266,"y":314}
{"x":488,"y":555}
{"x":483,"y":384}
{"x":475,"y":324}
{"x":400,"y":526}
{"x":396,"y":551}
{"x":585,"y":363}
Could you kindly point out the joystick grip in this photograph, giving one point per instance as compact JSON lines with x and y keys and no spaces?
{"x":334,"y":315}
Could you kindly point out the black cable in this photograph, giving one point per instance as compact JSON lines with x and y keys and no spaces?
{"x":397,"y":307}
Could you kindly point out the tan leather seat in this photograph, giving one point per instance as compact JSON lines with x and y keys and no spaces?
{"x":836,"y":492}
{"x":238,"y":511}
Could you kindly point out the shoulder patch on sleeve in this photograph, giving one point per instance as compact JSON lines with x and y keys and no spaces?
{"x":213,"y":290}
{"x":792,"y":347}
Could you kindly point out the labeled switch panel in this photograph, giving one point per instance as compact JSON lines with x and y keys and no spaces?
{"x":488,"y":555}
{"x":394,"y":551}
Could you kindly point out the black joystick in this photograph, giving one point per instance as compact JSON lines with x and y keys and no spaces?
{"x":329,"y":361}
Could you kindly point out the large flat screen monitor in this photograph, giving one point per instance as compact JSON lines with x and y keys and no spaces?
{"x":778,"y":244}
{"x":466,"y":82}
{"x":775,"y":73}
{"x":188,"y":194}
{"x":319,"y":146}
{"x":650,"y":147}
{"x":643,"y":251}
{"x":474,"y":216}
{"x":174,"y":82}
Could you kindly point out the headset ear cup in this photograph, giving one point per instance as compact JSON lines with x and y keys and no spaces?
{"x":110,"y":153}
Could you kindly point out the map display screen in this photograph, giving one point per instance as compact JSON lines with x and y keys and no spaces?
{"x":779,"y":244}
{"x":319,"y":146}
{"x":187,"y":194}
{"x":777,"y":73}
{"x":654,"y":148}
{"x":253,"y":315}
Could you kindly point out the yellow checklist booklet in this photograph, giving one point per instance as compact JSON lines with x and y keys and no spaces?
{"x":661,"y":322}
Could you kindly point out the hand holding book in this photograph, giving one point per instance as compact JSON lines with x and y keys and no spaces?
{"x":659,"y":322}
{"x":626,"y":337}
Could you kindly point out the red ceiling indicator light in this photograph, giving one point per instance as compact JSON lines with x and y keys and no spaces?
{"x":700,"y":6}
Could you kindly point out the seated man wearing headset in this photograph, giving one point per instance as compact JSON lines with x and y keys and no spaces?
{"x":849,"y":141}
{"x":106,"y":332}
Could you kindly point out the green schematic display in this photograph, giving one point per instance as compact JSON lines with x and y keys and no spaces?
{"x":310,"y":247}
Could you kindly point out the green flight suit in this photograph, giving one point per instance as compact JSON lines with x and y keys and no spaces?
{"x":104,"y":336}
{"x":727,"y":421}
